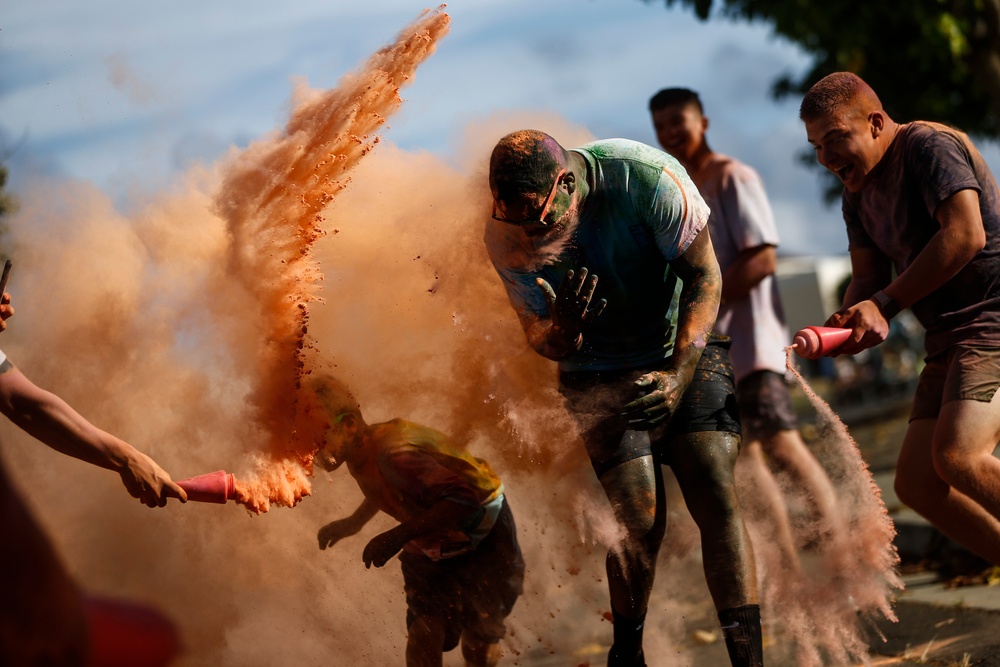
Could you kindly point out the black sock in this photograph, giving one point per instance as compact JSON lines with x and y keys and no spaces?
{"x":741,"y":628}
{"x":627,"y":649}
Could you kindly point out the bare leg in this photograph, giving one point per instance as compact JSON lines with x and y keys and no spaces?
{"x":703,"y":464}
{"x":424,"y":643}
{"x":789,"y":453}
{"x":478,"y":653}
{"x":635,"y":489}
{"x":768,"y":504}
{"x":964,"y":439}
{"x":930,"y":448}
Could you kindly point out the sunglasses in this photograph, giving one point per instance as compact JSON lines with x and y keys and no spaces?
{"x":540,"y":220}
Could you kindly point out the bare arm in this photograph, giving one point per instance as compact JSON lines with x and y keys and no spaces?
{"x":750,"y":268}
{"x":954,"y":245}
{"x":337,"y":530}
{"x":961,"y":236}
{"x":51,"y":420}
{"x":870,"y":272}
{"x":699,"y":306}
{"x":444,"y":514}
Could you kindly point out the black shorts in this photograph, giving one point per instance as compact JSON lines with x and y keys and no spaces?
{"x":595,"y":400}
{"x":472,"y":593}
{"x":765,"y":405}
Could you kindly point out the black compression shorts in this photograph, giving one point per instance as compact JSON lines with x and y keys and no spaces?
{"x":595,"y":400}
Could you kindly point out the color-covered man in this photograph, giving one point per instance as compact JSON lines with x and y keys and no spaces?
{"x":462,"y":565}
{"x":605,"y":256}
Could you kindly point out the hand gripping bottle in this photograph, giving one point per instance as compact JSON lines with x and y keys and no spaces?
{"x":815,"y":342}
{"x":214,"y":487}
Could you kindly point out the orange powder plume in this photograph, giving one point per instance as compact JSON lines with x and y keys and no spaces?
{"x":849,"y":575}
{"x":171,"y":317}
{"x":166,"y":316}
{"x":272,"y":200}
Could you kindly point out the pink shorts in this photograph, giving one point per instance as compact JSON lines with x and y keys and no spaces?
{"x":961,"y":373}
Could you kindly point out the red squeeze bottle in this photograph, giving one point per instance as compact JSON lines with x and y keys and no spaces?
{"x":128,"y":634}
{"x":815,"y":342}
{"x":214,"y":487}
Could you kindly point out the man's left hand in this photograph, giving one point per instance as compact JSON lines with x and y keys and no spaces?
{"x":381,"y":548}
{"x":664,"y":390}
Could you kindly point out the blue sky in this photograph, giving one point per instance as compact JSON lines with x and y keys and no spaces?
{"x":125,"y":95}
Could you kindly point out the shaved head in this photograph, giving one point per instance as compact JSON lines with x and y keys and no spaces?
{"x":523,"y":165}
{"x":839,"y":92}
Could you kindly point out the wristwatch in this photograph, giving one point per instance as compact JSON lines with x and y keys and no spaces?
{"x":886,"y":304}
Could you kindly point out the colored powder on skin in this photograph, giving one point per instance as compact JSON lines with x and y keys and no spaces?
{"x":848,"y":574}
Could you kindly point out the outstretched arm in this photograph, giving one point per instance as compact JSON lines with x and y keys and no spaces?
{"x":443,"y":514}
{"x":698,"y":270}
{"x":51,"y":420}
{"x":960,"y":237}
{"x":335,"y":531}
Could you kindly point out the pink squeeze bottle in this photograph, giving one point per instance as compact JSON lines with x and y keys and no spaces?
{"x":213,"y":487}
{"x":815,"y":342}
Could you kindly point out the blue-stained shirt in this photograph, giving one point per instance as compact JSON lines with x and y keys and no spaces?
{"x":642,"y":212}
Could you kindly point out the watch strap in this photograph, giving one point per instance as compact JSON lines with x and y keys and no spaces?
{"x":889,"y":306}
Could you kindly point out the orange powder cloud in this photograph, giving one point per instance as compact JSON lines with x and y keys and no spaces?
{"x":185,"y":326}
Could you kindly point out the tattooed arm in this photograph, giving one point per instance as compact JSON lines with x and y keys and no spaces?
{"x":699,"y":306}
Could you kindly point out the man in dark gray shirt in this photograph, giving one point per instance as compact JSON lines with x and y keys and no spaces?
{"x":923,"y":223}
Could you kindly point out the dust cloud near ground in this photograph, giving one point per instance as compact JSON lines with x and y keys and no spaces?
{"x":185,"y":324}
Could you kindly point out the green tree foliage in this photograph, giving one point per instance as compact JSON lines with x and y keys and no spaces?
{"x":927,"y":59}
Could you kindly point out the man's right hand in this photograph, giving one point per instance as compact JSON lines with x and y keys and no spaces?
{"x":869,"y":325}
{"x":569,"y":308}
{"x":146,"y":480}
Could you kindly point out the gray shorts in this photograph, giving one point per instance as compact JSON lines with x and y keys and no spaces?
{"x":765,"y":405}
{"x":960,"y":373}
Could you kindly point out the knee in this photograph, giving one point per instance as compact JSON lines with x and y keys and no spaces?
{"x":907,"y":492}
{"x":784,"y":449}
{"x":954,"y":467}
{"x":922,"y":493}
{"x":480,"y":652}
{"x":640,"y":527}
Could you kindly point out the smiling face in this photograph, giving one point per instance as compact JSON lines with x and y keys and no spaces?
{"x":680,"y":129}
{"x":848,"y":143}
